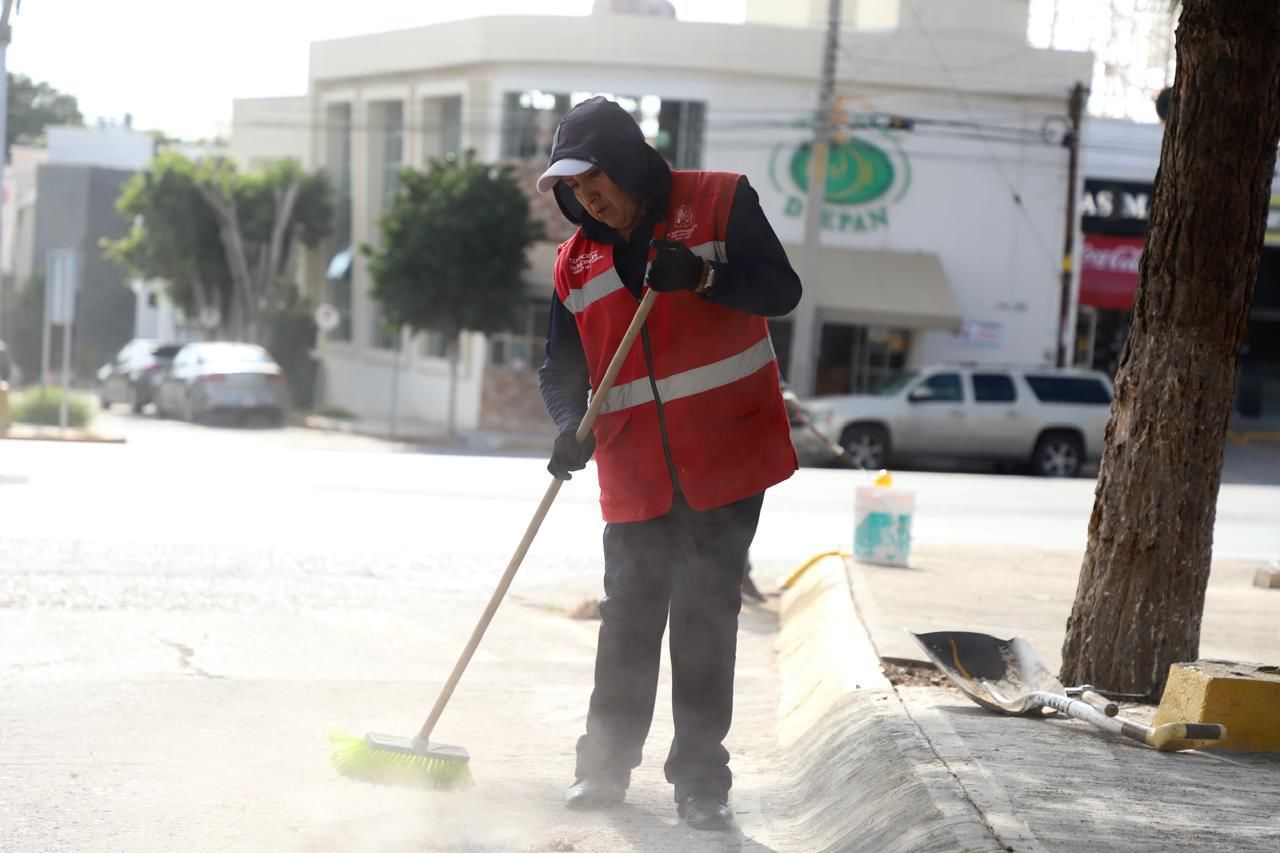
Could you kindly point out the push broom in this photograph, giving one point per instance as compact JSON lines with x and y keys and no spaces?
{"x":397,"y":760}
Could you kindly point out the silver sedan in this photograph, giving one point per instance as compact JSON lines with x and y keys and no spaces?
{"x":223,"y":377}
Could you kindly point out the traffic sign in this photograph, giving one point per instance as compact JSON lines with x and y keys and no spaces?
{"x":327,"y":317}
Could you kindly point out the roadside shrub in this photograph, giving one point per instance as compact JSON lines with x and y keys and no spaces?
{"x":42,"y":405}
{"x":290,"y":335}
{"x":336,"y":413}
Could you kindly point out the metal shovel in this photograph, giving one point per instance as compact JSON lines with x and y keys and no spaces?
{"x":1006,"y":676}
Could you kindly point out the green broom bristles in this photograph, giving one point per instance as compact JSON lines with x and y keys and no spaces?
{"x":353,"y":756}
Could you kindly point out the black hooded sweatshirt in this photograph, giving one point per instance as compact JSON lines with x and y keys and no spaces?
{"x":757,"y":277}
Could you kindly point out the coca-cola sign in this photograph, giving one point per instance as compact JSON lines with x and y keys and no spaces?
{"x":1109,"y":271}
{"x":1122,"y":258}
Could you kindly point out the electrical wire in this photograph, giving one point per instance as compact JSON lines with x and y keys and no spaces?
{"x":1014,"y":194}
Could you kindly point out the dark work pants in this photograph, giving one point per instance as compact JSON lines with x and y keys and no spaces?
{"x":688,"y":564}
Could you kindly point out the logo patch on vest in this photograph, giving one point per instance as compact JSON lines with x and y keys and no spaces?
{"x":579,"y":264}
{"x":682,"y":223}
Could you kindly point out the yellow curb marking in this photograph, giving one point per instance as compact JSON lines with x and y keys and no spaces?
{"x":1242,"y":439}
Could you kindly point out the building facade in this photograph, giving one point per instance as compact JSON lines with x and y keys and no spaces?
{"x":944,"y":207}
{"x":63,"y":198}
{"x":1119,"y":161}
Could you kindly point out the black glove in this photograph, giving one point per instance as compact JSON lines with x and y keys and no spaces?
{"x":674,"y":267}
{"x":570,"y":454}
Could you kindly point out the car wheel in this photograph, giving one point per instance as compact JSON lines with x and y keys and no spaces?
{"x":1057,"y":454}
{"x":867,"y":445}
{"x":188,"y":411}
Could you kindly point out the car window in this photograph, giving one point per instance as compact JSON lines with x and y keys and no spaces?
{"x":897,"y":383}
{"x":1070,"y":389}
{"x":993,"y":388}
{"x":234,"y":353}
{"x":945,"y":387}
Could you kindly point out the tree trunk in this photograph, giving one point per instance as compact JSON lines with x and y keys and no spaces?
{"x":224,"y":210}
{"x":204,"y":300}
{"x":455,"y":348}
{"x":1142,"y":586}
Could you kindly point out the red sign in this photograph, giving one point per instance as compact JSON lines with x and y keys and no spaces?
{"x":1109,"y":271}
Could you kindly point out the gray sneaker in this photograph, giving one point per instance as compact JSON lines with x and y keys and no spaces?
{"x":588,"y":794}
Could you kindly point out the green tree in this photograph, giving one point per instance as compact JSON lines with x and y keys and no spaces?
{"x":452,"y":252}
{"x":23,"y":325}
{"x":33,"y":107}
{"x":1141,"y":591}
{"x":260,"y":217}
{"x":174,"y":236}
{"x":221,"y":239}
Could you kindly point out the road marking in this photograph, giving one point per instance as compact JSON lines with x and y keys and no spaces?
{"x":1243,"y":439}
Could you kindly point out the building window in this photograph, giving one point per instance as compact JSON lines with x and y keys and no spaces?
{"x":338,"y":281}
{"x":529,"y":121}
{"x":388,"y":126}
{"x":338,"y":164}
{"x":859,"y":359}
{"x":441,"y":127}
{"x":523,"y":348}
{"x":675,"y":128}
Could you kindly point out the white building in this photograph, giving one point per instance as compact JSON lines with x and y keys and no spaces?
{"x":946,"y":199}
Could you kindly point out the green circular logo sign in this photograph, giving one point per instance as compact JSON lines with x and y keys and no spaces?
{"x":857,"y":171}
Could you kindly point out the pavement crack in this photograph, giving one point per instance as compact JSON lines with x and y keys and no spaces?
{"x":185,"y":654}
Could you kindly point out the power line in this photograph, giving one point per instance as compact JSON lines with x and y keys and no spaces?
{"x":1013,"y":191}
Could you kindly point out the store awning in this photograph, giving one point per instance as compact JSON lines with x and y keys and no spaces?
{"x":339,"y":268}
{"x":864,"y":287}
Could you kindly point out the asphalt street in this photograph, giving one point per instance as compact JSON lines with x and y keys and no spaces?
{"x":184,"y":616}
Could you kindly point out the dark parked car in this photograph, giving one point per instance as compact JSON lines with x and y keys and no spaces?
{"x":134,"y":374}
{"x":223,"y":377}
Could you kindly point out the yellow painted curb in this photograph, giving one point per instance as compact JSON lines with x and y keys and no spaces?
{"x":824,"y":651}
{"x":798,"y":572}
{"x":1242,"y":439}
{"x":1244,"y":697}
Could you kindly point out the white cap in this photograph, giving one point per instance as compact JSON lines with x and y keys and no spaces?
{"x":561,"y":169}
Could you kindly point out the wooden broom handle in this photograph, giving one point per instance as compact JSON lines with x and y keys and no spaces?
{"x":597,"y":403}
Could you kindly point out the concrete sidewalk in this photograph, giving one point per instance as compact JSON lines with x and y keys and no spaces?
{"x":924,"y":769}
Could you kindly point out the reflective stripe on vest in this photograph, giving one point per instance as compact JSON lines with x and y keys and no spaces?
{"x":580,"y":298}
{"x":690,"y":382}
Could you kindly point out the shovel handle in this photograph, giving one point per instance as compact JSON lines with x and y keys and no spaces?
{"x":1166,"y":738}
{"x":597,"y":402}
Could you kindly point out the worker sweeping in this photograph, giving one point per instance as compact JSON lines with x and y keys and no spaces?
{"x":690,"y":435}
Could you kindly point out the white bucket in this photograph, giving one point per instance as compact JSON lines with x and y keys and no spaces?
{"x":882,"y":525}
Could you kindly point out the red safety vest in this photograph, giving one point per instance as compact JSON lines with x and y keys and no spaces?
{"x":713,"y":367}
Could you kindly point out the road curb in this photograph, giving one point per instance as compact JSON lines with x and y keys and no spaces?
{"x":24,"y":432}
{"x":467,"y":441}
{"x":863,"y":773}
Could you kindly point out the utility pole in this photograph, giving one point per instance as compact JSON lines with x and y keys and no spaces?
{"x":5,"y":33}
{"x":1072,"y":141}
{"x":805,"y":318}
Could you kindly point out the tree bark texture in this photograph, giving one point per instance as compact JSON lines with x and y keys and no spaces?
{"x":1142,"y":586}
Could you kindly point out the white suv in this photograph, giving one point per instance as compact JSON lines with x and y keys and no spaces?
{"x":1053,"y":419}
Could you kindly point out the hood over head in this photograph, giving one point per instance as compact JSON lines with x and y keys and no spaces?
{"x":601,"y":133}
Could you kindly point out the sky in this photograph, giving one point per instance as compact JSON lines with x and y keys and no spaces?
{"x":175,"y":65}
